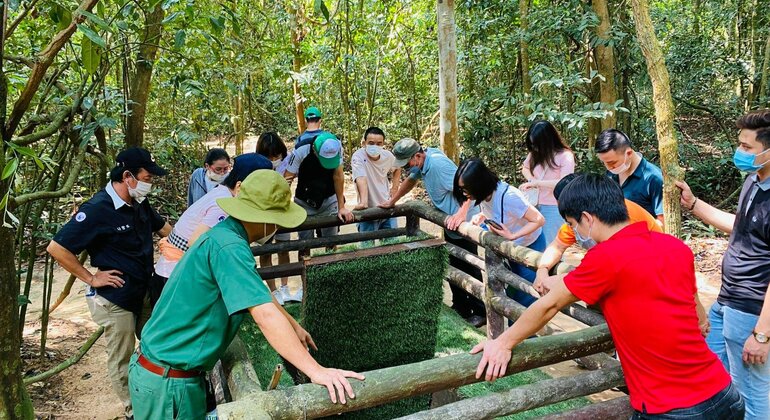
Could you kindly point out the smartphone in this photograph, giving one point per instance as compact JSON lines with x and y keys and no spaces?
{"x":493,"y":224}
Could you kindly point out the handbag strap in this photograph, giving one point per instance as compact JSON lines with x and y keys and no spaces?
{"x":502,"y":205}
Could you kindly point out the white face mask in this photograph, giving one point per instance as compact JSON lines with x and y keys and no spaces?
{"x":276,"y":163}
{"x":140,"y":191}
{"x":622,"y":168}
{"x":218,"y":178}
{"x":373,"y":150}
{"x":267,"y":238}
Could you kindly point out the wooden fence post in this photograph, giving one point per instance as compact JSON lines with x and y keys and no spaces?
{"x":492,"y":287}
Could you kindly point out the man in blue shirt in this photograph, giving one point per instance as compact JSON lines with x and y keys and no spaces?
{"x":437,"y":173}
{"x":313,"y":117}
{"x":640,"y":180}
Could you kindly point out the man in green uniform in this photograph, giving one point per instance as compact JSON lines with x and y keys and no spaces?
{"x":209,"y":293}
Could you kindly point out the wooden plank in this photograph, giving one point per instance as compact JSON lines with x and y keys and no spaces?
{"x":285,"y":246}
{"x":368,"y":252}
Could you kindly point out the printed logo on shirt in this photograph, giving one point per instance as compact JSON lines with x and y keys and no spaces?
{"x":123,"y":228}
{"x":221,"y":218}
{"x":80,"y":217}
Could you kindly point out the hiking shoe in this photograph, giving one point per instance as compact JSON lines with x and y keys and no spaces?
{"x":278,"y":296}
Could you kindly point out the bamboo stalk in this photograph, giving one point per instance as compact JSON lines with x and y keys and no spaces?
{"x":69,"y":362}
{"x":399,"y":382}
{"x":525,"y":397}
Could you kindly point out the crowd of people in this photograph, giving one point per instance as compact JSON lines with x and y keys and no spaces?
{"x":679,"y":360}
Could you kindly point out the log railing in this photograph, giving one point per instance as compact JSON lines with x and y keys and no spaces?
{"x":399,"y":382}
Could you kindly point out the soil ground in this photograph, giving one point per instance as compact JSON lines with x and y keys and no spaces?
{"x":83,"y":391}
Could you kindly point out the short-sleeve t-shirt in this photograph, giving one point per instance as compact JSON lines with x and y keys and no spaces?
{"x":565,"y":165}
{"x":644,"y":187}
{"x":117,"y":236}
{"x":507,"y":206}
{"x":205,"y":300}
{"x":635,"y":214}
{"x":376,"y":174}
{"x":647,"y":297}
{"x":206,"y":212}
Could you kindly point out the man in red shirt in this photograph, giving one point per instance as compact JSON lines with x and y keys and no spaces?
{"x":644,"y":283}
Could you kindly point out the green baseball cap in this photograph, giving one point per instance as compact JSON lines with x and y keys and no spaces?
{"x":329,"y":150}
{"x":264,"y":197}
{"x":403,"y":150}
{"x":313,"y":112}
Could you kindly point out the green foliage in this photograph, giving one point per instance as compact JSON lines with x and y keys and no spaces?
{"x":396,"y":309}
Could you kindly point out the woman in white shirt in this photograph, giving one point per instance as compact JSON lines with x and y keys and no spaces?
{"x":505,"y":206}
{"x":200,"y":217}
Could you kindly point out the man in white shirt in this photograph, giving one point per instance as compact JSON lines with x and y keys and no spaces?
{"x":372,"y":165}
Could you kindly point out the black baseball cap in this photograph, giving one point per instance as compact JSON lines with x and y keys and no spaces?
{"x":137,"y":157}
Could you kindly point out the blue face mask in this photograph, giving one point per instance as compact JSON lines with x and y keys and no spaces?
{"x":744,"y":161}
{"x":585,"y":242}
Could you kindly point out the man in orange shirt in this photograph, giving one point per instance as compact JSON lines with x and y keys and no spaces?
{"x":566,"y":236}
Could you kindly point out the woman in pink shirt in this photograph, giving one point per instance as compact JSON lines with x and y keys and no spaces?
{"x":549,"y":160}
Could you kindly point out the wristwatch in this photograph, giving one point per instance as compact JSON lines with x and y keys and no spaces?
{"x":761,"y":337}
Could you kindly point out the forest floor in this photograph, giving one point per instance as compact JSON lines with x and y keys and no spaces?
{"x":83,"y":391}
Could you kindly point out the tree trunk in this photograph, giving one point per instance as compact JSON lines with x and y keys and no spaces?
{"x":664,"y":114}
{"x":14,"y":400}
{"x":142,"y":76}
{"x":447,"y":78}
{"x":296,"y":64}
{"x":764,"y":100}
{"x":526,"y":82}
{"x":238,"y":122}
{"x":605,"y":58}
{"x":594,"y":126}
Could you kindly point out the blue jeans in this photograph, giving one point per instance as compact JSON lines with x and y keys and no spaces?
{"x":553,"y":221}
{"x":522,"y":271}
{"x":374,"y":225}
{"x":730,"y":329}
{"x":727,"y":404}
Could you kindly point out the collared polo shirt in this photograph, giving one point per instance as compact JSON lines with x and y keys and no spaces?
{"x":644,"y":283}
{"x":438,"y":174}
{"x":205,"y":300}
{"x":746,"y":263}
{"x":117,"y":236}
{"x":644,"y":187}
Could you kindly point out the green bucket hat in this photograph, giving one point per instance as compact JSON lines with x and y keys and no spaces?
{"x":329,"y":150}
{"x":313,"y":112}
{"x":264,"y":197}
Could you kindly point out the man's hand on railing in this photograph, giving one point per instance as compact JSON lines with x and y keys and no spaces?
{"x":387,"y":204}
{"x":345,"y":215}
{"x":495,"y":359}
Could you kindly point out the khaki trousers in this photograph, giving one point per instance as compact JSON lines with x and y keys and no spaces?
{"x":119,"y":328}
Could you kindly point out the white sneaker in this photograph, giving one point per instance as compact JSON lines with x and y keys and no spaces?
{"x":278,"y":296}
{"x":297,"y":297}
{"x":285,"y":294}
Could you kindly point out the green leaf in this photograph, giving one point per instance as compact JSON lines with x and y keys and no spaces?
{"x":10,"y":168}
{"x":61,"y":16}
{"x":101,"y":23}
{"x":23,"y":300}
{"x":179,"y":38}
{"x":93,"y":36}
{"x":91,"y":55}
{"x":320,"y":7}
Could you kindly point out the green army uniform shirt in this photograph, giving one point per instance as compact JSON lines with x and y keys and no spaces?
{"x":205,"y":300}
